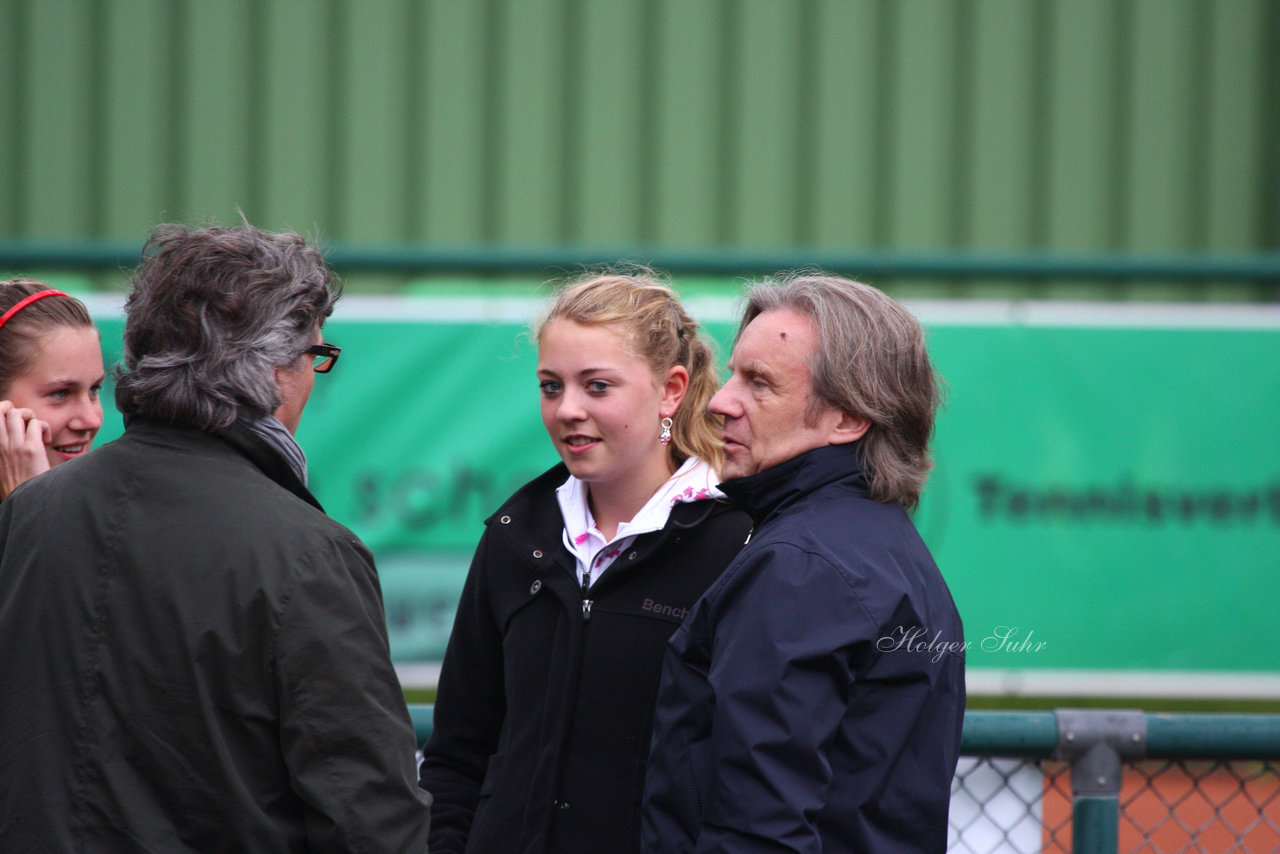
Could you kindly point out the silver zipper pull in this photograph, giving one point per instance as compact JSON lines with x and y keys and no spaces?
{"x":586,"y":610}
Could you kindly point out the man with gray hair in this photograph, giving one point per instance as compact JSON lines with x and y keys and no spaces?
{"x":194,"y":656}
{"x":813,"y":698}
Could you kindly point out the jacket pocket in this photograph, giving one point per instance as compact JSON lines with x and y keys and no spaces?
{"x":491,"y":775}
{"x":497,"y":825}
{"x":698,"y":778}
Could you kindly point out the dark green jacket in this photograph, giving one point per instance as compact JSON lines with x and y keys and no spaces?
{"x":194,"y":658}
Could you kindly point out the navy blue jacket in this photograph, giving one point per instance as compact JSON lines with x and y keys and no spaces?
{"x":812,"y":700}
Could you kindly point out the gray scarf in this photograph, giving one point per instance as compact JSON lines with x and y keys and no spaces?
{"x":275,"y":434}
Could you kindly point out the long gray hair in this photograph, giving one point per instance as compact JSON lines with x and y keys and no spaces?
{"x":211,"y":314}
{"x":870,"y":361}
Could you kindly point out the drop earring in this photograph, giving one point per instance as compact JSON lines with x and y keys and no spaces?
{"x":664,"y":438}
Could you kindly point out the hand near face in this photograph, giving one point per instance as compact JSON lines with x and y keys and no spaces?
{"x":22,"y":446}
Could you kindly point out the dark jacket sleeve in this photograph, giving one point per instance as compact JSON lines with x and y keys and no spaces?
{"x":787,"y":633}
{"x":469,"y":713}
{"x":345,"y":730}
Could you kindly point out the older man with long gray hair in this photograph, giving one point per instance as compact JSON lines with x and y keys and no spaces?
{"x":812,"y":700}
{"x":194,"y":656}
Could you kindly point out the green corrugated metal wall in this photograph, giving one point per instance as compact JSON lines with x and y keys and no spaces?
{"x":1148,"y":125}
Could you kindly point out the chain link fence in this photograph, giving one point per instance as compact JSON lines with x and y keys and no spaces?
{"x":1098,"y":782}
{"x":1021,"y":806}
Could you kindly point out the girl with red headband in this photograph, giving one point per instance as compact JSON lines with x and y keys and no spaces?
{"x":50,"y":376}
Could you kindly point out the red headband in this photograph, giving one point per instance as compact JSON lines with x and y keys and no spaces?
{"x":23,"y":303}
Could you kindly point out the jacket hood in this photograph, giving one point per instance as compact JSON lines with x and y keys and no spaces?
{"x":766,"y":492}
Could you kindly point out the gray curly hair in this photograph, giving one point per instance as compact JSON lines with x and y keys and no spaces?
{"x":211,"y":314}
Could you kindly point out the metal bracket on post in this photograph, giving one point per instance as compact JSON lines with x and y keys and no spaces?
{"x":1097,"y":743}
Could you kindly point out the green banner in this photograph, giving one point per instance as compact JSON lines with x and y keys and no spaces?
{"x":1106,"y":495}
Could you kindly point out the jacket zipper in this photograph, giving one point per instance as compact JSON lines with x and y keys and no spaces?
{"x":586,"y":592}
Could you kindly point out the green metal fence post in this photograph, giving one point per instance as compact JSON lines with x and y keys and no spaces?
{"x":1097,"y":743}
{"x":1095,"y":824}
{"x":422,"y":715}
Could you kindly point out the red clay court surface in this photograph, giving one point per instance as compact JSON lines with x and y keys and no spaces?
{"x":1165,"y":807}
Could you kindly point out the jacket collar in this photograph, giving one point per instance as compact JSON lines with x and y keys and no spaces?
{"x":266,"y":457}
{"x":533,"y":514}
{"x":249,"y":444}
{"x":693,"y":481}
{"x":766,"y":492}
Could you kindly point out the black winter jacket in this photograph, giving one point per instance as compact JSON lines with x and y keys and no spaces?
{"x":544,"y":708}
{"x":813,"y":699}
{"x":194,"y":659}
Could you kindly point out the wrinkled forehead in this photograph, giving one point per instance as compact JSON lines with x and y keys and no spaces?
{"x":777,"y":337}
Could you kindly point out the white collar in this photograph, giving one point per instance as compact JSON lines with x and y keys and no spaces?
{"x":695,"y":480}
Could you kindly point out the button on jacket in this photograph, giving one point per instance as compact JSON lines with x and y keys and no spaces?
{"x":791,"y":716}
{"x":545,"y":703}
{"x":194,"y":659}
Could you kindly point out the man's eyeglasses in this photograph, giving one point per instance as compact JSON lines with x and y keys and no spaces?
{"x":325,"y":357}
